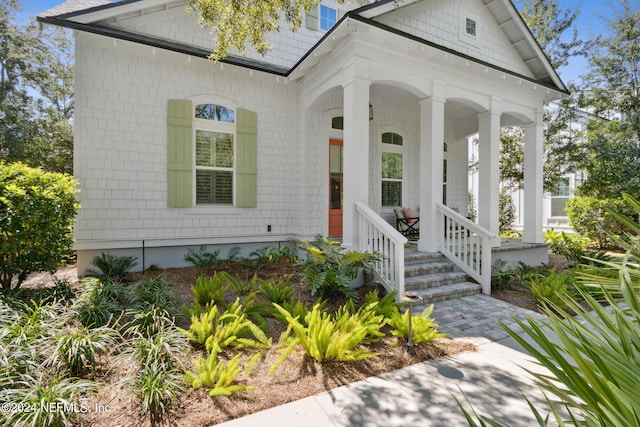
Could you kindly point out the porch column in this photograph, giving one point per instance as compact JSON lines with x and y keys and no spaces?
{"x":356,"y":145}
{"x":489,"y":171}
{"x":533,"y":180}
{"x":431,"y":169}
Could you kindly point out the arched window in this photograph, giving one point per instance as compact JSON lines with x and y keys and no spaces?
{"x":392,"y":169}
{"x":215,"y":112}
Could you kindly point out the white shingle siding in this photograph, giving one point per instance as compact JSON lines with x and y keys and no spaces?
{"x":121,"y":144}
{"x":441,"y":21}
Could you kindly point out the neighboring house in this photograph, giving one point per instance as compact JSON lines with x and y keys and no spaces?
{"x":173,"y":151}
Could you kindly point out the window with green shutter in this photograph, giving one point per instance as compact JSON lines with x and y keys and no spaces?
{"x":212,"y":152}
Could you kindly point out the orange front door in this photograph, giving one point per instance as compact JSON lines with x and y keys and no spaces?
{"x":335,"y":188}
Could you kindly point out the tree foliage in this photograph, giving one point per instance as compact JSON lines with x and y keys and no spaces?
{"x":548,"y":22}
{"x":238,"y":23}
{"x":37,"y":210}
{"x":36,"y":93}
{"x":613,"y":81}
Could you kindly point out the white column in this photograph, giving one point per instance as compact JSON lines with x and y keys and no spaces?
{"x":533,"y":180}
{"x":489,"y":171}
{"x":431,"y":169}
{"x":356,"y":145}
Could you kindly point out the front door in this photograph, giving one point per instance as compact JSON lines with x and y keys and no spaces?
{"x":335,"y":188}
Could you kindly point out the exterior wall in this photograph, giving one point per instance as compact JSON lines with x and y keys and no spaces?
{"x":175,"y":25}
{"x":121,"y":149}
{"x":441,"y":22}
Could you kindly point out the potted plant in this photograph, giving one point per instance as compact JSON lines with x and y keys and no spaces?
{"x":330,"y":269}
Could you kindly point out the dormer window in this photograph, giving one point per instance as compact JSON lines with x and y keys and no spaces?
{"x":328,"y":17}
{"x":470,"y":27}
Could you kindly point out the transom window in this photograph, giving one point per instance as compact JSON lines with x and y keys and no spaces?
{"x":328,"y":17}
{"x":392,"y":169}
{"x":214,"y":154}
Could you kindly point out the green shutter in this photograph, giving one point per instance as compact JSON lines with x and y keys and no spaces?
{"x":312,"y":18}
{"x":179,"y":153}
{"x":247,"y":159}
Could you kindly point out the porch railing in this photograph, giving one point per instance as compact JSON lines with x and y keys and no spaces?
{"x":467,"y":245}
{"x":377,"y":235}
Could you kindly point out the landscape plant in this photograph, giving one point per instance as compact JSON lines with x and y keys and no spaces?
{"x":277,"y":291}
{"x":552,"y":288}
{"x":37,"y":210}
{"x":112,"y":267}
{"x":212,"y":373}
{"x":592,"y":357}
{"x":423,"y":327}
{"x":325,"y":337}
{"x":330,"y":268}
{"x":79,"y":349}
{"x":203,"y":260}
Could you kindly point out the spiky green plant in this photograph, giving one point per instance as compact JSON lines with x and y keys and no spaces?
{"x":593,"y":358}
{"x":79,"y":349}
{"x":423,"y":327}
{"x":217,"y":376}
{"x":97,"y":302}
{"x":231,"y":328}
{"x":385,"y":306}
{"x":324,"y":337}
{"x":50,"y":403}
{"x":240,"y":286}
{"x":276,"y":291}
{"x":112,"y":267}
{"x":154,"y":292}
{"x":210,"y":290}
{"x":203,"y":260}
{"x":551,"y":288}
{"x":147,"y":323}
{"x":157,"y":388}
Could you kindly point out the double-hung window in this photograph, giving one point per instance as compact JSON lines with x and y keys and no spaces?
{"x":215,"y":130}
{"x":328,"y":17}
{"x":392,"y":169}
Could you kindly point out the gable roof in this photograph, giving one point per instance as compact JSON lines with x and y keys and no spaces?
{"x":92,"y":16}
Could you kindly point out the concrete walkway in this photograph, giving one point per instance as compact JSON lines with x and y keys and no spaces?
{"x":493,"y":379}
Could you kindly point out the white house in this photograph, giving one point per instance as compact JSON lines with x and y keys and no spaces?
{"x":339,"y":123}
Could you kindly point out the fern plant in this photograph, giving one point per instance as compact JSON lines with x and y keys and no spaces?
{"x":210,"y":290}
{"x":423,"y":327}
{"x":242,"y":287}
{"x":276,"y":291}
{"x":552,"y":288}
{"x":203,"y":260}
{"x":324,"y":338}
{"x":217,"y":330}
{"x":217,"y":376}
{"x":330,"y":268}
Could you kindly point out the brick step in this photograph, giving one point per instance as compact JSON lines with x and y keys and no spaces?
{"x":445,"y":292}
{"x":413,"y":256}
{"x":419,"y":268}
{"x":434,"y":280}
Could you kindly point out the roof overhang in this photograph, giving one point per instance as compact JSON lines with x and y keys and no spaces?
{"x":94,"y":20}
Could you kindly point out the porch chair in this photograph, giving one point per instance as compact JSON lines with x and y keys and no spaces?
{"x":407,"y":223}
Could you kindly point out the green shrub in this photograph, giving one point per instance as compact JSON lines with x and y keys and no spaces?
{"x":37,"y":210}
{"x":203,"y":260}
{"x":96,"y":303}
{"x":112,"y":267}
{"x":507,"y":212}
{"x":591,"y":217}
{"x":157,"y":388}
{"x":330,"y":268}
{"x":423,"y":327}
{"x":242,"y":287}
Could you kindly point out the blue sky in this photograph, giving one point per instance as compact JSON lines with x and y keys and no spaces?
{"x":589,"y":23}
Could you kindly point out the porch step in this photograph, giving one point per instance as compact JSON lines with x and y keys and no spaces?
{"x":433,"y":277}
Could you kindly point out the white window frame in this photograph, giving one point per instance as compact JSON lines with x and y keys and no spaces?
{"x":320,"y":8}
{"x":398,"y":149}
{"x":214,"y":126}
{"x":463,"y":35}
